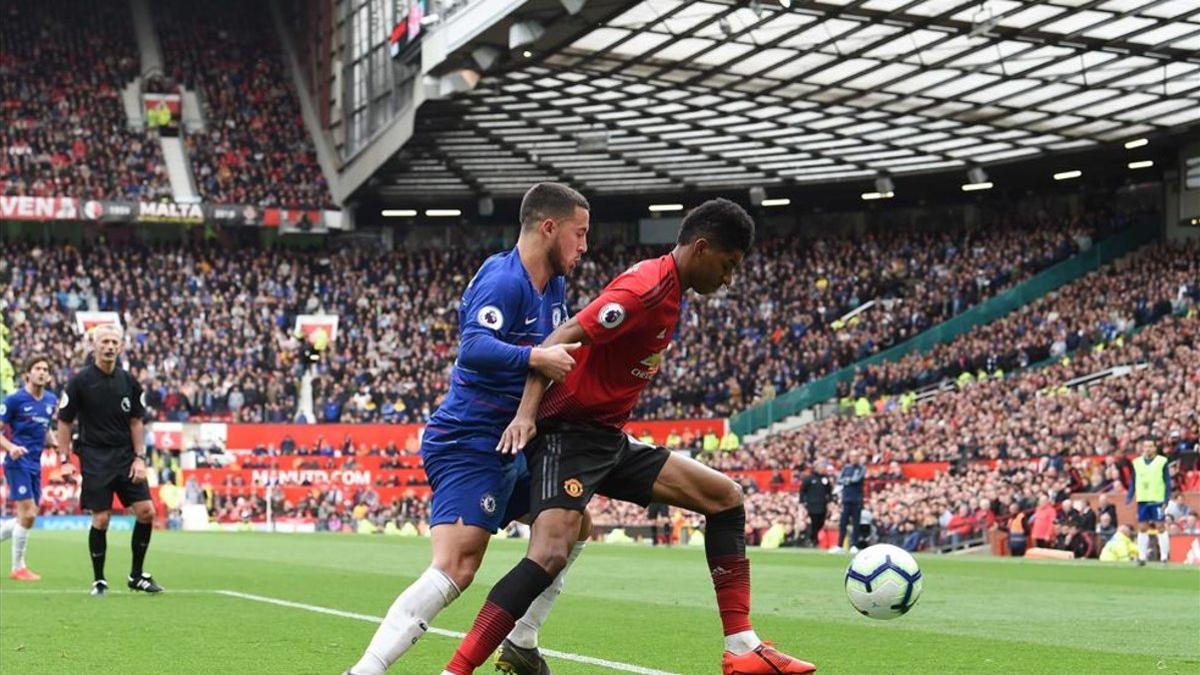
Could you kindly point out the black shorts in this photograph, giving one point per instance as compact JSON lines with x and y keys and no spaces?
{"x":570,"y":462}
{"x":97,"y":491}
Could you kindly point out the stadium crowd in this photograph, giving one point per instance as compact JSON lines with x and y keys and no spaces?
{"x":1053,"y":441}
{"x":1070,"y":440}
{"x":255,"y":149}
{"x":1096,"y":308}
{"x":210,"y":327}
{"x":65,"y":132}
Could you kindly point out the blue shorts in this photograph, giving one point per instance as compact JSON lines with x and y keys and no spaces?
{"x":1150,"y":512}
{"x":24,"y":483}
{"x":484,"y":488}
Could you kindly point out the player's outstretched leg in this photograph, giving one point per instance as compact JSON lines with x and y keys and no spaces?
{"x":554,"y":534}
{"x":140,"y":580}
{"x":20,"y":527}
{"x":458,"y":550}
{"x":689,"y":484}
{"x":519,"y":653}
{"x":1143,"y":543}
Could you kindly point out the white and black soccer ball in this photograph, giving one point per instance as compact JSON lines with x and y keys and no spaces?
{"x":883,"y":581}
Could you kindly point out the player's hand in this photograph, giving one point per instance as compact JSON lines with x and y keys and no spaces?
{"x":137,"y":471}
{"x":67,"y":470}
{"x":517,"y":435}
{"x":16,"y":452}
{"x":554,"y":362}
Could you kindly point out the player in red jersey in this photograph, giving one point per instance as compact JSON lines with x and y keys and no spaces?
{"x":578,"y":448}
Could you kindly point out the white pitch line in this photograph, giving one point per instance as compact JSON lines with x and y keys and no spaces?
{"x":578,"y":658}
{"x":114,"y":592}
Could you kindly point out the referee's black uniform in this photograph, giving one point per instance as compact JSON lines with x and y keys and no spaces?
{"x":104,"y":404}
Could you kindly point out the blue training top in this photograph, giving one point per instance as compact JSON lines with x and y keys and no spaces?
{"x":29,"y":419}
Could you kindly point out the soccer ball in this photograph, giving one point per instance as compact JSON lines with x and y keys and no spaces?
{"x":883,"y":581}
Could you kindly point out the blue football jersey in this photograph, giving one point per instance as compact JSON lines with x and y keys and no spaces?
{"x":29,"y":418}
{"x":501,"y":317}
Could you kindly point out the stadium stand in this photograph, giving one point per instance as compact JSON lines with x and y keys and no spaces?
{"x":255,"y":149}
{"x":1094,"y":309}
{"x":1058,"y":441}
{"x":235,"y":306}
{"x":65,"y":132}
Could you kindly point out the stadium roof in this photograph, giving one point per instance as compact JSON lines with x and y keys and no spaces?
{"x":666,"y":95}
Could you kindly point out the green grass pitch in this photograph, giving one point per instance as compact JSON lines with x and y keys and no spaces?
{"x":652,"y":608}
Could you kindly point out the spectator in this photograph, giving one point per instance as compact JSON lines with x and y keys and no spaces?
{"x":1043,"y":523}
{"x":1120,"y":548}
{"x":816,"y":491}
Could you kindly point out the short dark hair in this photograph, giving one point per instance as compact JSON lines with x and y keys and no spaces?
{"x":723,"y":223}
{"x":550,"y":200}
{"x":34,"y":360}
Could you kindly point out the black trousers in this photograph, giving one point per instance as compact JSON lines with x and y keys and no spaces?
{"x":851,"y":513}
{"x":818,"y":522}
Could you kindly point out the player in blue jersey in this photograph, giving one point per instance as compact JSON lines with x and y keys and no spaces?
{"x":27,"y":414}
{"x":514,"y":301}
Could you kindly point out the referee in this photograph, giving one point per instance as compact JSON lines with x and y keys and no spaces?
{"x":109,"y":404}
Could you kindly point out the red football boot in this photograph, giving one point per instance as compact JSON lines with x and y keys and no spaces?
{"x":23,"y":574}
{"x":764,"y":660}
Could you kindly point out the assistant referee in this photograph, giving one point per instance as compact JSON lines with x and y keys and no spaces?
{"x":109,"y":404}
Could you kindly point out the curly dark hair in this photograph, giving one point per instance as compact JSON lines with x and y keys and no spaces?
{"x":722,"y":223}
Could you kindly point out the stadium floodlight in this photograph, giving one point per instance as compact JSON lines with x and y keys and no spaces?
{"x":868,"y":196}
{"x":443,"y":213}
{"x":972,"y":187}
{"x":592,"y":141}
{"x":527,"y":54}
{"x":781,"y":201}
{"x":1136,"y":143}
{"x":485,"y":56}
{"x":573,"y":6}
{"x":884,"y":185}
{"x":757,"y":195}
{"x":1144,"y":164}
{"x":662,"y":208}
{"x":456,"y":82}
{"x":1067,"y":175}
{"x":976,"y":175}
{"x":398,"y":213}
{"x":487,"y":206}
{"x":524,"y":33}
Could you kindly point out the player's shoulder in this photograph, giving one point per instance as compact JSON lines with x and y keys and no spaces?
{"x":499,"y":273}
{"x":648,"y":277}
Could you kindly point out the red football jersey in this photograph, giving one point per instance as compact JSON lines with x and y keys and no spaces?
{"x":629,"y":327}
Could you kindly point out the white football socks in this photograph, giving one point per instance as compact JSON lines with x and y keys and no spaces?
{"x":6,"y":528}
{"x":1164,"y":545}
{"x":740,"y":643}
{"x":525,"y":632}
{"x":1143,"y":543}
{"x":406,"y":621}
{"x":20,"y":536}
